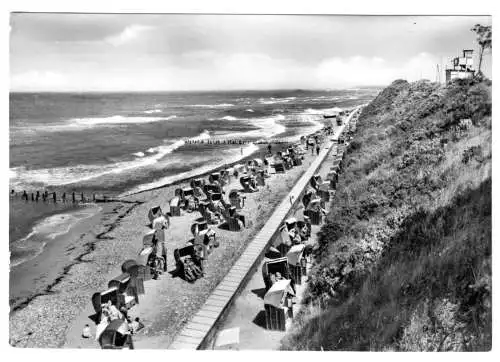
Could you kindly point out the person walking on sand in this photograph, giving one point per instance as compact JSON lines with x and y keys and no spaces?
{"x":317,"y":150}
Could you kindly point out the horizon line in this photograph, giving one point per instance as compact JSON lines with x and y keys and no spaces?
{"x":199,"y":90}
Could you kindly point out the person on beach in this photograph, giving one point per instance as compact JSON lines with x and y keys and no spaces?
{"x":269,"y":148}
{"x":317,"y":150}
{"x":32,"y":197}
{"x":114,"y":313}
{"x":86,"y":332}
{"x":54,"y":197}
{"x":82,"y":197}
{"x":124,"y":312}
{"x":73,"y":196}
{"x":64,"y":197}
{"x":136,"y":325}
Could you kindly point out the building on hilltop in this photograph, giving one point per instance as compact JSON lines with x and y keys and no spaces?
{"x":462,"y":67}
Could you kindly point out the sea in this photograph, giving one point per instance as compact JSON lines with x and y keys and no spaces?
{"x":117,"y":144}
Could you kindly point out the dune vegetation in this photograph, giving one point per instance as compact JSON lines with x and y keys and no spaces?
{"x":404,"y":259}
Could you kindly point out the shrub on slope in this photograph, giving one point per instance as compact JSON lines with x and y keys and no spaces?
{"x":404,"y":259}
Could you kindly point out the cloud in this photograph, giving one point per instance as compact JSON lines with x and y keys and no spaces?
{"x":128,"y":34}
{"x":337,"y":71}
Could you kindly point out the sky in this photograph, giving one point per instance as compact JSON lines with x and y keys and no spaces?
{"x":127,"y":52}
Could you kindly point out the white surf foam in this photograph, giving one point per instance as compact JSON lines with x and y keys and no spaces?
{"x":76,"y":124}
{"x":139,"y":154}
{"x":151,"y":111}
{"x":273,"y":100}
{"x":268,"y":127}
{"x":23,"y":178}
{"x":231,"y":156}
{"x":327,"y":111}
{"x":221,"y":105}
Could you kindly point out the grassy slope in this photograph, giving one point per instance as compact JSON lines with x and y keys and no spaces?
{"x":405,"y":257}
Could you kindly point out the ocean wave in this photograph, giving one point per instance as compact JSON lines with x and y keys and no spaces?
{"x":45,"y":230}
{"x":77,"y":124}
{"x":26,"y":179}
{"x":249,"y":110}
{"x":273,"y":100}
{"x":326,"y":111}
{"x":151,"y":111}
{"x":267,"y":127}
{"x":139,"y":154}
{"x":231,"y":156}
{"x":221,"y":105}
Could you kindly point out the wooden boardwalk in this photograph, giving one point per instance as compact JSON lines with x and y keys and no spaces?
{"x":202,"y":327}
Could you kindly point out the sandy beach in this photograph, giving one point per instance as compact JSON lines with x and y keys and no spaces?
{"x":55,"y":316}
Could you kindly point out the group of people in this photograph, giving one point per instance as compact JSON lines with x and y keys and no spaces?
{"x":313,"y":143}
{"x":218,"y":142}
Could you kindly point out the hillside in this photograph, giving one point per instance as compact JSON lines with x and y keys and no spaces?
{"x":404,"y":261}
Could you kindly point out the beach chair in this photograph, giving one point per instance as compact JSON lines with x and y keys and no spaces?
{"x":315,"y":211}
{"x":128,"y":289}
{"x":235,"y":199}
{"x":296,"y":263}
{"x":175,"y":206}
{"x":155,"y":212}
{"x":273,"y":266}
{"x":204,"y":235}
{"x":235,"y":221}
{"x":315,"y":181}
{"x":297,"y":160}
{"x":213,"y":188}
{"x":188,"y":262}
{"x":197,"y":182}
{"x":278,"y":305}
{"x":215,"y":178}
{"x":260,"y":178}
{"x":279,"y":167}
{"x":248,"y":183}
{"x":225,"y":176}
{"x":324,"y":191}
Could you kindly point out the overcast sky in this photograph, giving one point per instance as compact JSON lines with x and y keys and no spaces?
{"x":89,"y":52}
